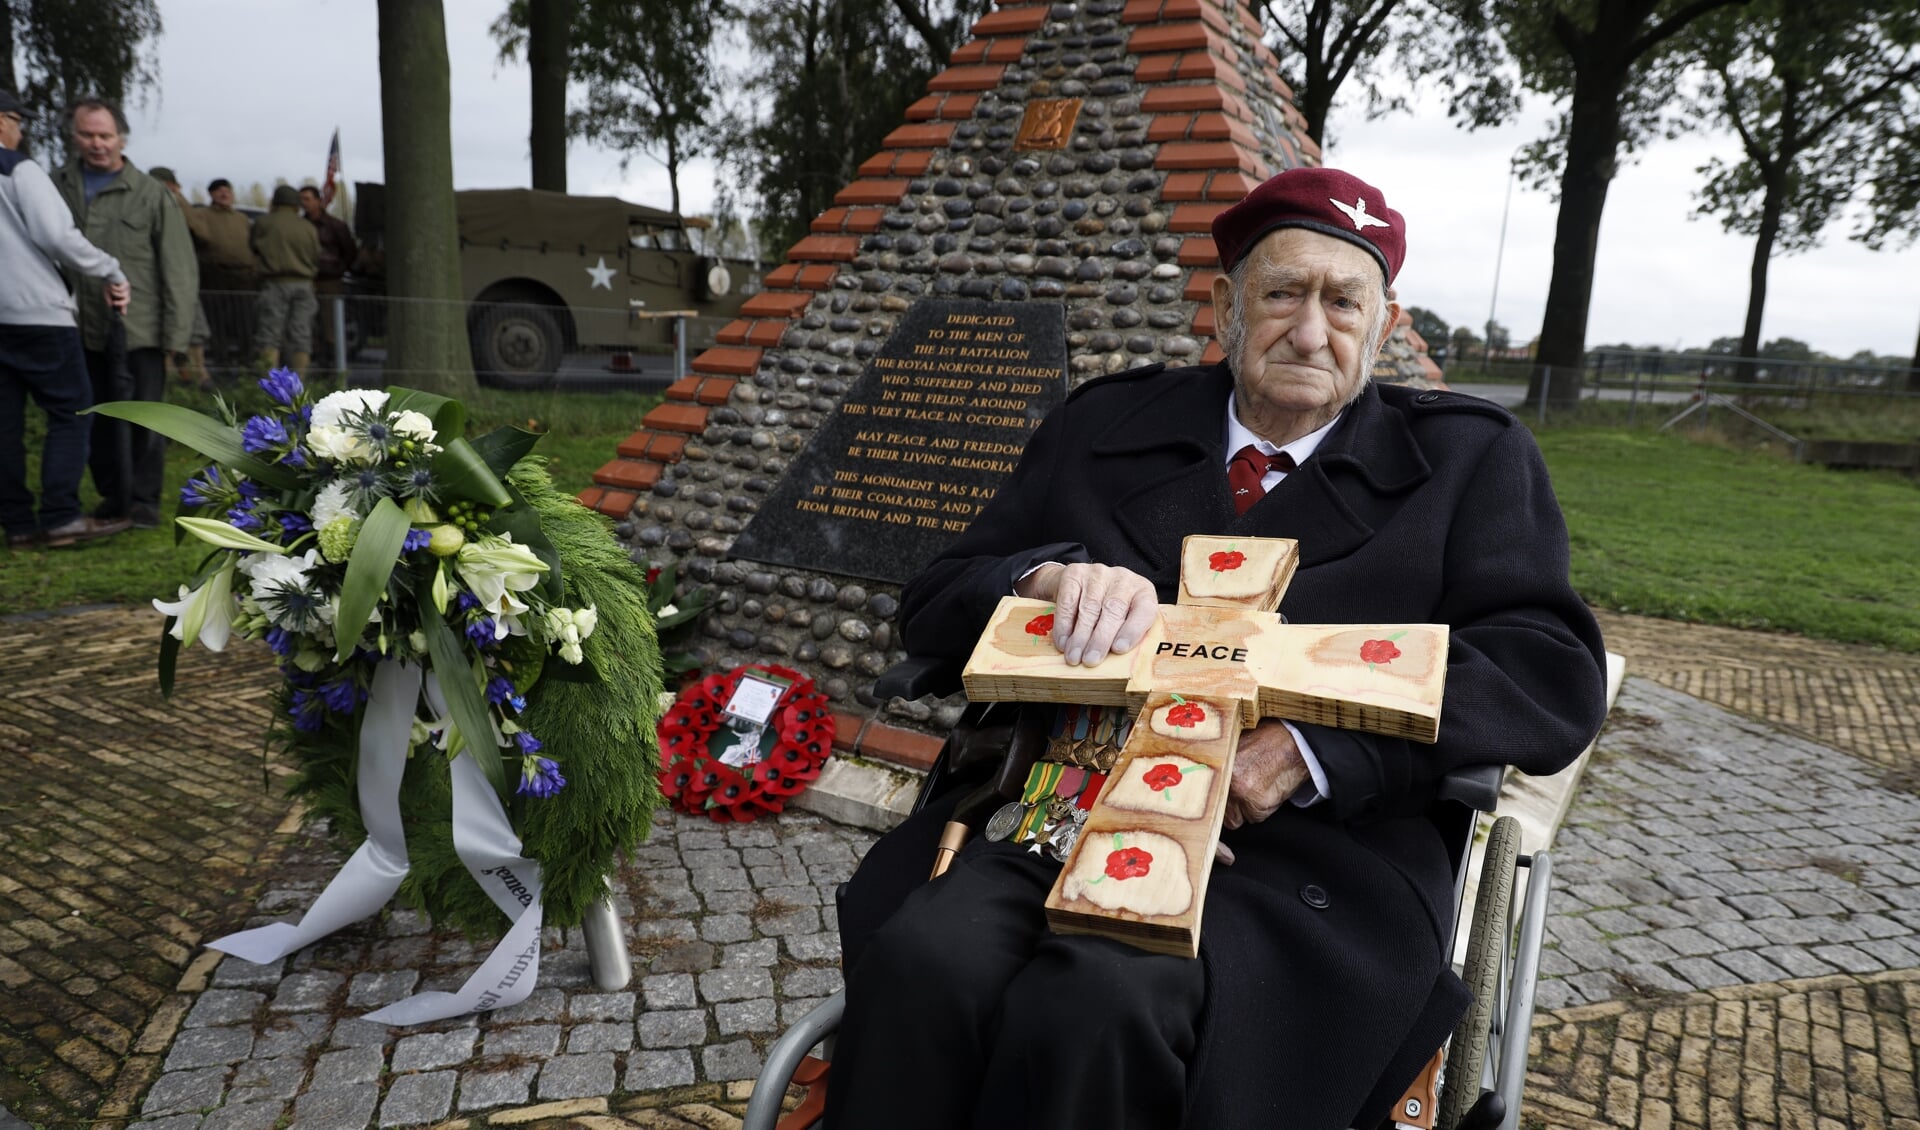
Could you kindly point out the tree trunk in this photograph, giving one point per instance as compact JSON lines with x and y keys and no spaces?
{"x":1770,"y":209}
{"x":1913,"y":374}
{"x":7,"y":81}
{"x":1593,"y":142}
{"x":427,"y":324}
{"x":548,"y":25}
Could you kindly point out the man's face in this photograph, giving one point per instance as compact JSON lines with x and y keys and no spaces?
{"x":9,"y":131}
{"x":310,"y":203}
{"x":98,"y":140}
{"x":1311,"y":303}
{"x":222,"y":197}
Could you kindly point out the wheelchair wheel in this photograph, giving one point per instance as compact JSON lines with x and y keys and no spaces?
{"x":1485,"y":966}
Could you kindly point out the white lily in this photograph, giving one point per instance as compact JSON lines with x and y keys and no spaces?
{"x":205,"y":614}
{"x":495,"y":569}
{"x":566,"y":627}
{"x":227,"y":536}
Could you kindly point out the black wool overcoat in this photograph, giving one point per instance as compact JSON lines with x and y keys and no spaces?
{"x":1420,"y":507}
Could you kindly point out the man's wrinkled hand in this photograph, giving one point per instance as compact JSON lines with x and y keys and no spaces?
{"x":1097,"y":609}
{"x":118,"y":295}
{"x":1267,"y":770}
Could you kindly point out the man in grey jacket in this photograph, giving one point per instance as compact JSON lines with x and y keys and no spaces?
{"x":40,"y":353}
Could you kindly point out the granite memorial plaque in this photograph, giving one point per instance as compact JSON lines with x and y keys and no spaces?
{"x":922,"y":441}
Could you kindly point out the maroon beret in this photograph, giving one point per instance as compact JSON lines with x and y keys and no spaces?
{"x":1324,"y":200}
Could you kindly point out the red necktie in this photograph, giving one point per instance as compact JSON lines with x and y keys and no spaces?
{"x":1246,"y":470}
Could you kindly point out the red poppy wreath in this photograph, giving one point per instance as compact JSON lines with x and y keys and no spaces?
{"x":694,"y":780}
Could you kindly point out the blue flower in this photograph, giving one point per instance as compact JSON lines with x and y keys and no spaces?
{"x":307,"y":710}
{"x":261,"y":433}
{"x":293,"y":458}
{"x":518,"y":702}
{"x":293,"y":522}
{"x":464,"y":602}
{"x":540,"y":778}
{"x":341,"y":695}
{"x":243,"y":517}
{"x":203,"y":490}
{"x":480,"y":632}
{"x":499,"y":689}
{"x":282,"y":642}
{"x":528,"y":743}
{"x":249,"y":489}
{"x":416,"y":539}
{"x":283,"y":385}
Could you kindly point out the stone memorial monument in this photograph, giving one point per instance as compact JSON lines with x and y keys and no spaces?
{"x":1072,"y":155}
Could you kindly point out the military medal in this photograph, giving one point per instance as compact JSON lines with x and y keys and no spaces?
{"x":1004,"y":820}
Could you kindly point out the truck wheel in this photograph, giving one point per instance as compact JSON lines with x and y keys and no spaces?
{"x":516,"y":345}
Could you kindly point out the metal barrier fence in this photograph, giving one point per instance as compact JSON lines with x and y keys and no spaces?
{"x":1651,"y":389}
{"x":512,"y":344}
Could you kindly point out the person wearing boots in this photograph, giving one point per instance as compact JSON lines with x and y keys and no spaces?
{"x":288,"y":254}
{"x":40,"y":353}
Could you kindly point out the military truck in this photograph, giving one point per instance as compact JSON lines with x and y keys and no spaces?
{"x":547,"y":274}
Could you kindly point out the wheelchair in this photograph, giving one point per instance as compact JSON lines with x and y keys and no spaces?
{"x":1473,"y":1083}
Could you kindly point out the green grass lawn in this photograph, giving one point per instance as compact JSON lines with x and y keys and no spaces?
{"x":1662,"y":525}
{"x":1666,"y":527}
{"x":582,"y":429}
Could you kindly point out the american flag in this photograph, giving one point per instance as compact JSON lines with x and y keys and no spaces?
{"x":333,"y":171}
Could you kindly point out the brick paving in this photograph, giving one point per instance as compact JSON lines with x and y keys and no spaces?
{"x":1735,"y":934}
{"x":131,"y":829}
{"x":1735,"y":940}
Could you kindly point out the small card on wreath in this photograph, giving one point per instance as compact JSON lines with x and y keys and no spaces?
{"x":753,"y":700}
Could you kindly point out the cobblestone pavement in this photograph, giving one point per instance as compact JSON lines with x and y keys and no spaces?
{"x":1706,"y":850}
{"x":1865,"y":700}
{"x":131,"y":829}
{"x":733,"y":935}
{"x":1735,"y":934}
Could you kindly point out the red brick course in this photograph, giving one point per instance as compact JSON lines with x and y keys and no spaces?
{"x":657,"y":446}
{"x":630,"y":474}
{"x":864,"y":191}
{"x":688,"y":418}
{"x":727,"y":361}
{"x":977,"y":77}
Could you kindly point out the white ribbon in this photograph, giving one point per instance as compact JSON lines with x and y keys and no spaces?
{"x":485,"y":842}
{"x":374,"y":872}
{"x":482,"y":837}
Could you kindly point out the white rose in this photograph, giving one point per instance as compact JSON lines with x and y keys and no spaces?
{"x":331,"y":407}
{"x":413,"y":425}
{"x":338,"y":445}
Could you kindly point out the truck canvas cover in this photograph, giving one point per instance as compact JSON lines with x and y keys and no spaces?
{"x":526,"y":217}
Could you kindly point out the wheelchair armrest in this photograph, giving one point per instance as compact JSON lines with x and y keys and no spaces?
{"x":1476,"y":786}
{"x":916,"y":677}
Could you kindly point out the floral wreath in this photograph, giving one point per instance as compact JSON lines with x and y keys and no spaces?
{"x":363,"y":527}
{"x":695,"y":781}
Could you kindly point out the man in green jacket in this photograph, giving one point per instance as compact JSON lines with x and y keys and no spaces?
{"x":128,"y":215}
{"x":288,"y":253}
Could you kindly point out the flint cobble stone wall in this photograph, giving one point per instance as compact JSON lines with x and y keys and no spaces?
{"x":1089,"y":226}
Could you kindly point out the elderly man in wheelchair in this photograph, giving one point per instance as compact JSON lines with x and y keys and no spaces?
{"x":1323,"y":980}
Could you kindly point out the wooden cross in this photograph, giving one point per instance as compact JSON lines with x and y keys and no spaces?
{"x":1213,"y":665}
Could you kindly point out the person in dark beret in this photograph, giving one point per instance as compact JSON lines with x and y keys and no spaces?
{"x":1323,"y":983}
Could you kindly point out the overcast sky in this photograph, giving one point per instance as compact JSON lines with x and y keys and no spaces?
{"x":253,"y":91}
